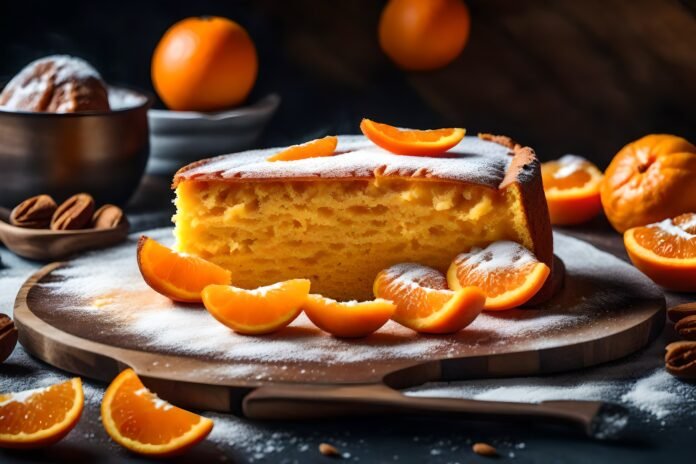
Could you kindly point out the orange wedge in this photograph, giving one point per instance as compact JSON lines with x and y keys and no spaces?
{"x":666,"y":251}
{"x":508,"y":273}
{"x":411,"y":142}
{"x":423,"y":301}
{"x":40,"y":417}
{"x":260,"y":311}
{"x":313,"y":149}
{"x":350,"y":319}
{"x":138,"y":420}
{"x":177,"y":276}
{"x":572,"y":185}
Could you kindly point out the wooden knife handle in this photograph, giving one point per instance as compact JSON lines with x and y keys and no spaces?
{"x":321,"y":401}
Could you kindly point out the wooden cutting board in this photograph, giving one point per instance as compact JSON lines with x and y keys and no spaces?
{"x":94,"y":315}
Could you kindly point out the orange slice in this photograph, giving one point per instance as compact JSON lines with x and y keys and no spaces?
{"x":666,"y":251}
{"x":571,"y":184}
{"x":349,"y":319}
{"x":177,"y":276}
{"x":138,"y":420}
{"x":508,"y":273}
{"x":411,"y":142}
{"x":423,"y":301}
{"x":313,"y":149}
{"x":260,"y":311}
{"x":40,"y":417}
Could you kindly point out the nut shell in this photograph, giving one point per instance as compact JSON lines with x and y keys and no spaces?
{"x":74,"y":213}
{"x":107,"y":217}
{"x":34,"y":213}
{"x":680,"y":359}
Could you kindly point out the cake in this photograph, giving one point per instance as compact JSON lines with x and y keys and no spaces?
{"x":56,"y":84}
{"x":341,"y":219}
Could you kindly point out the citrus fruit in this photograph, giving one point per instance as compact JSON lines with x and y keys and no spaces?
{"x":409,"y":141}
{"x":423,"y":35}
{"x":666,"y":251}
{"x":176,"y":276}
{"x":138,"y":420}
{"x":313,"y":149}
{"x":571,"y":185}
{"x":40,"y":417}
{"x":423,"y":301}
{"x":259,"y":311}
{"x":649,"y":180}
{"x":507,"y":273}
{"x":204,"y":64}
{"x":349,"y":319}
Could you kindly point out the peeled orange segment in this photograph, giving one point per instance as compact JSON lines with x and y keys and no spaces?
{"x":260,"y":311}
{"x":313,"y":149}
{"x":177,"y":276}
{"x":423,"y":301}
{"x":138,"y":420}
{"x":40,"y":417}
{"x":508,"y":274}
{"x":572,"y":185}
{"x":666,"y":251}
{"x":411,"y":142}
{"x":350,"y":319}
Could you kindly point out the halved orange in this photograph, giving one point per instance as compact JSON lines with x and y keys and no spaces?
{"x":312,"y":149}
{"x":507,"y":273}
{"x":40,"y":417}
{"x":350,"y":319}
{"x":177,"y":276}
{"x":666,"y":251}
{"x":411,"y":142}
{"x":259,"y":311}
{"x":138,"y":420}
{"x":571,"y":185}
{"x":423,"y":301}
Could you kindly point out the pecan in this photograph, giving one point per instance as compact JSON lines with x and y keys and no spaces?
{"x":74,"y":213}
{"x":484,"y":449}
{"x":679,"y":312}
{"x":8,"y":337}
{"x":328,"y":450}
{"x":107,"y":217}
{"x":34,"y":212}
{"x":686,"y":327}
{"x":680,"y":359}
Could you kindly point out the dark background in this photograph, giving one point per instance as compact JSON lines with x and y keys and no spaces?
{"x":561,"y":76}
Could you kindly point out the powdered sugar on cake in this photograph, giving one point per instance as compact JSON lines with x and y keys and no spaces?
{"x":473,"y":160}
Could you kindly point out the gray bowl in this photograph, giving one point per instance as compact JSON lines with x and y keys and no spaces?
{"x":178,"y":138}
{"x":60,"y":154}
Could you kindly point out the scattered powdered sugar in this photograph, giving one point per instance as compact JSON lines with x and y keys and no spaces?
{"x":23,"y":396}
{"x":416,"y":276}
{"x":156,"y":400}
{"x":570,"y":164}
{"x":656,"y":394}
{"x":497,"y":256}
{"x":678,"y":230}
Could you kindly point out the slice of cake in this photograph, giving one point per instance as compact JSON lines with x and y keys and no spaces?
{"x":339,"y":220}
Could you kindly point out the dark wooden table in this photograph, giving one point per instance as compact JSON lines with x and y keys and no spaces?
{"x":378,"y":439}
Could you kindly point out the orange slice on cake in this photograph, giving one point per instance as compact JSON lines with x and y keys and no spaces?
{"x":508,"y":273}
{"x":40,"y":417}
{"x":313,"y":149}
{"x":259,"y":311}
{"x":423,"y":301}
{"x":571,"y":185}
{"x":666,"y":251}
{"x":138,"y":420}
{"x":411,"y":142}
{"x":350,"y":319}
{"x":176,"y":276}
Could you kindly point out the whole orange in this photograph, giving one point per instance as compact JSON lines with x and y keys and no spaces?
{"x":649,"y":180}
{"x":424,"y":34}
{"x":204,"y":64}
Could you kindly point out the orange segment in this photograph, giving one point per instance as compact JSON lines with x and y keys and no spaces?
{"x":509,"y":274}
{"x":572,"y":185}
{"x":423,"y":301}
{"x":313,"y":149}
{"x":177,"y":276}
{"x":666,"y":251}
{"x":40,"y":417}
{"x":411,"y":142}
{"x":348,"y":319}
{"x":260,"y":311}
{"x":138,"y":420}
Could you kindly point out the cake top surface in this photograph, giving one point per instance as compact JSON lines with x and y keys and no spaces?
{"x":473,"y":160}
